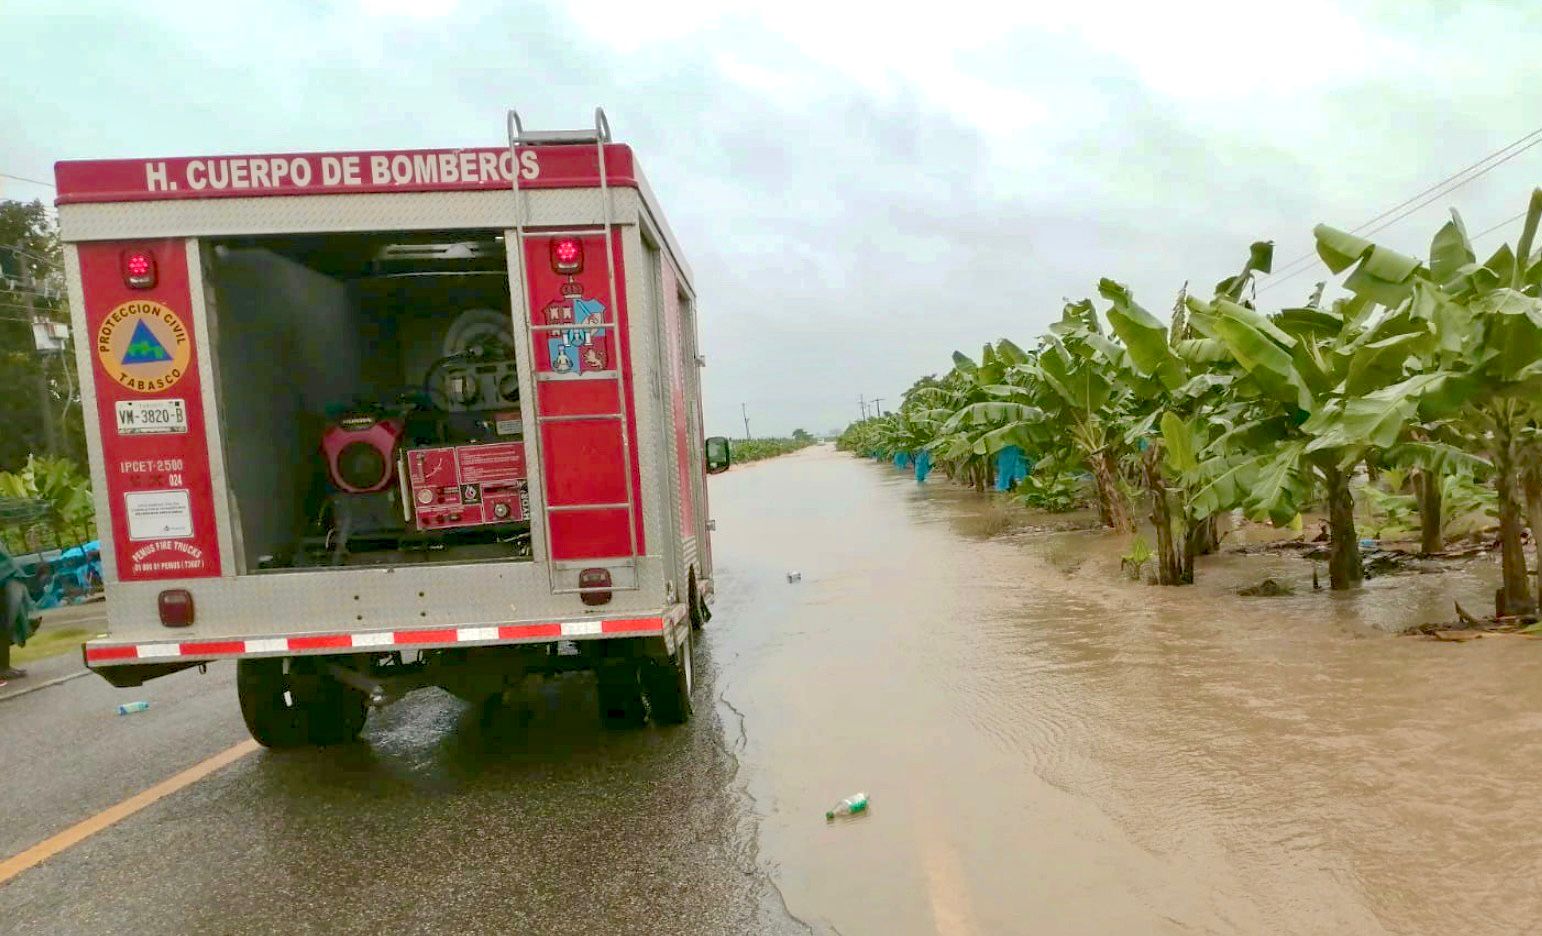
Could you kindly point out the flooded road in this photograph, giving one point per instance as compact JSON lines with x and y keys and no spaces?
{"x":1052,"y":749}
{"x":1049,"y":749}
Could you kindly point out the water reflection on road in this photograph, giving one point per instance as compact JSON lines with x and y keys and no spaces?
{"x":1051,"y":749}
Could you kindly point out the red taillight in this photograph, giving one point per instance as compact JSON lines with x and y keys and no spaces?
{"x":176,"y":606}
{"x":594,"y":585}
{"x":567,"y":255}
{"x":138,"y":269}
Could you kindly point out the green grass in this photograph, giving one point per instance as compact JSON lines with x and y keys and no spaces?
{"x":51,"y":642}
{"x":750,"y":450}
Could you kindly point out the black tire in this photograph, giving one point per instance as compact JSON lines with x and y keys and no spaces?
{"x":668,"y":685}
{"x":620,"y":694}
{"x":339,"y":716}
{"x":281,"y":712}
{"x":700,"y":613}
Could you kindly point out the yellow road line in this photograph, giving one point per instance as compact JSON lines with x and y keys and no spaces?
{"x":81,"y":831}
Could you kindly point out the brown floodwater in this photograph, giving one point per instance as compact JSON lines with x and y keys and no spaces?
{"x":1050,"y":748}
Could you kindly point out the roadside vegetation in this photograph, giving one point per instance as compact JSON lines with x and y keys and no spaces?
{"x":51,"y":642}
{"x":45,"y":500}
{"x":46,"y":504}
{"x":749,"y":450}
{"x":1411,"y":402}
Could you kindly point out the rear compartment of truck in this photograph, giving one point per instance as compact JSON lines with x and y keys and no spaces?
{"x":409,"y":332}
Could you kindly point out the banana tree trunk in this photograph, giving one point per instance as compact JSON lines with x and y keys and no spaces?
{"x":1112,"y":504}
{"x":1175,"y":539}
{"x":1533,"y":485}
{"x":1199,"y":539}
{"x":1431,"y":529}
{"x":1169,"y":551}
{"x":1344,"y":571}
{"x":1514,"y":596}
{"x":1204,"y":537}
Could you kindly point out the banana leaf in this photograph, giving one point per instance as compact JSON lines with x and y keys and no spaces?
{"x":1145,"y":337}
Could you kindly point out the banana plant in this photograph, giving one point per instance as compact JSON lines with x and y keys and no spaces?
{"x":65,"y":495}
{"x":1180,"y":383}
{"x":1071,"y":379}
{"x":1001,"y":410}
{"x":1483,"y":373}
{"x":954,"y":441}
{"x":1318,"y":379}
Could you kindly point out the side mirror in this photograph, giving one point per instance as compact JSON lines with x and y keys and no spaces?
{"x":718,"y":455}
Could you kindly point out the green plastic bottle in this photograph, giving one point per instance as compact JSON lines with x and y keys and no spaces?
{"x":850,"y":806}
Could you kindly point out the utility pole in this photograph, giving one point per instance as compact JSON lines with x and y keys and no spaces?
{"x":877,"y":407}
{"x":862,"y":402}
{"x":744,"y":408}
{"x":44,"y":393}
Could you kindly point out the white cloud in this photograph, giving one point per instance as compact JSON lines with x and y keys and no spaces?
{"x":419,"y":10}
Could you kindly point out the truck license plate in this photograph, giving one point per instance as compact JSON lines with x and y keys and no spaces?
{"x":151,"y":417}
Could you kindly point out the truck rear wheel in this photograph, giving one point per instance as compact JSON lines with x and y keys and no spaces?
{"x":700,"y":613}
{"x":298,"y":706}
{"x":620,"y":693}
{"x":668,"y":684}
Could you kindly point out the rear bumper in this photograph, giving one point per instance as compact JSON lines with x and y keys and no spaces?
{"x":107,"y":653}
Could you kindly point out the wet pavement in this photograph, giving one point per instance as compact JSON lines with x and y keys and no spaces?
{"x":538,"y":821}
{"x":1053,"y":749}
{"x":1048,"y":749}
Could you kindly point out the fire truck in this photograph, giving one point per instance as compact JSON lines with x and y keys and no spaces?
{"x":369,"y":422}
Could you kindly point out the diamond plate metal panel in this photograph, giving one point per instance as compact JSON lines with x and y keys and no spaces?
{"x":649,"y":280}
{"x":642,"y":332}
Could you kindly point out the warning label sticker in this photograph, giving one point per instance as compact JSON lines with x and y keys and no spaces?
{"x":156,"y":515}
{"x":144,"y":346}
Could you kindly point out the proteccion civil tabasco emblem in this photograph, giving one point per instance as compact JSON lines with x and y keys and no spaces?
{"x":144,"y":346}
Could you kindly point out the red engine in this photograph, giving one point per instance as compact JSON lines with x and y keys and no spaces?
{"x":361,"y":453}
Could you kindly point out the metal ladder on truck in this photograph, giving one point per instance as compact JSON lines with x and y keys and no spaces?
{"x":599,"y":136}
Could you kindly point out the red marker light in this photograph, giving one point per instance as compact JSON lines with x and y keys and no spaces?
{"x":567,"y":255}
{"x":176,"y":607}
{"x":138,"y":269}
{"x":594,"y":586}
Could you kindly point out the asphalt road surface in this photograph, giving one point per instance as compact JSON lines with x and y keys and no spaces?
{"x":540,"y":821}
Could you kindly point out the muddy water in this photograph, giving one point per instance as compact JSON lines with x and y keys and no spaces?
{"x":1052,"y":750}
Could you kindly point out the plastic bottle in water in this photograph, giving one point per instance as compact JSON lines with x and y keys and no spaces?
{"x":850,"y":806}
{"x":129,"y":708}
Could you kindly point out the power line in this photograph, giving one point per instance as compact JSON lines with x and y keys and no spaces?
{"x":31,"y":256}
{"x":1535,"y":133}
{"x":1471,"y":238}
{"x":7,"y":175}
{"x":22,"y":308}
{"x":1455,"y":175}
{"x":1439,"y":189}
{"x":56,"y":296}
{"x":36,"y":294}
{"x":1489,"y":230}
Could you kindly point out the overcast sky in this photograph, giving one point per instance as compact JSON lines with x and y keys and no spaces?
{"x":860,"y":190}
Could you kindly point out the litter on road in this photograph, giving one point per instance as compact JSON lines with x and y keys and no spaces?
{"x":129,"y":708}
{"x":853,"y":805}
{"x":794,"y":577}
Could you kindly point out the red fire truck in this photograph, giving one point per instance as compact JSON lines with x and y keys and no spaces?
{"x":366,"y":422}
